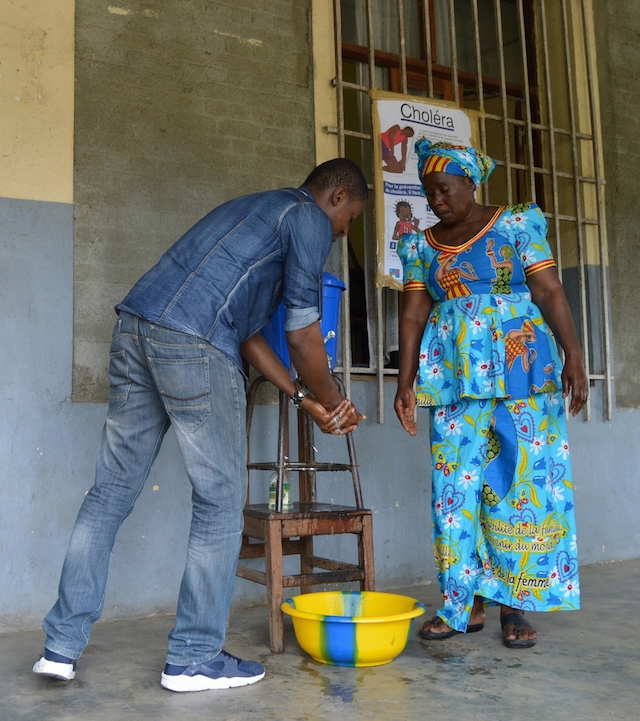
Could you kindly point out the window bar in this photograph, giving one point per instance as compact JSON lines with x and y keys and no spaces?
{"x":378,"y":291}
{"x":427,"y":45}
{"x":454,"y":51}
{"x":346,"y":315}
{"x":337,"y":15}
{"x":348,"y":133}
{"x":604,"y":285}
{"x":354,"y":86}
{"x":551,"y":135}
{"x":402,"y":46}
{"x":370,"y":371}
{"x":527,"y":103}
{"x":371,"y":45}
{"x":503,"y":98}
{"x":380,"y":354}
{"x":539,"y":126}
{"x":546,"y":171}
{"x":480,"y":89}
{"x":578,"y":201}
{"x":344,"y":243}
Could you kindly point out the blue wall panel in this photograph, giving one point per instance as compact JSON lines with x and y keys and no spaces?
{"x":47,"y":455}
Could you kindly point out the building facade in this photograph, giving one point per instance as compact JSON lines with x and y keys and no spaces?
{"x":122,"y":126}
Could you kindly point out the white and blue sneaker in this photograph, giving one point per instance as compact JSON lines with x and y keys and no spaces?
{"x":55,"y":665}
{"x":223,"y":671}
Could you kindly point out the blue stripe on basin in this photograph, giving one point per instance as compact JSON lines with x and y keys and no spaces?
{"x":338,"y":641}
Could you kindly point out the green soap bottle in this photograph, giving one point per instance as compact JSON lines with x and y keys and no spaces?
{"x":287,"y":504}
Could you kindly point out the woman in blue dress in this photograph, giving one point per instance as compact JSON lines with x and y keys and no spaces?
{"x":482,"y":309}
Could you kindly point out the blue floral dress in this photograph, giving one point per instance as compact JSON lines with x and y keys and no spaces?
{"x":489,"y":369}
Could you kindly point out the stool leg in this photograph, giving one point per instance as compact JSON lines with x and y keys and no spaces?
{"x":273,"y":567}
{"x":306,"y":454}
{"x":365,"y":554}
{"x":306,"y":552}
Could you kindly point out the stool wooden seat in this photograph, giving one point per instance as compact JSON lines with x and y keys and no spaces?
{"x":273,"y":534}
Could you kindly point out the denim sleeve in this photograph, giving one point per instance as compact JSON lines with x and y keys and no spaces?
{"x":306,"y":238}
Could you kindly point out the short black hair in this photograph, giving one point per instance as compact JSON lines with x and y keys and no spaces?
{"x":337,"y":172}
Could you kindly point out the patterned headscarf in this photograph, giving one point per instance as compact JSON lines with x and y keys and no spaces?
{"x":453,"y":159}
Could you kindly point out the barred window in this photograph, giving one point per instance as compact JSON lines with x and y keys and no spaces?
{"x":529,"y":66}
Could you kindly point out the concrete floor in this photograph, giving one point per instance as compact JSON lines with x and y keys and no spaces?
{"x":586,"y":666}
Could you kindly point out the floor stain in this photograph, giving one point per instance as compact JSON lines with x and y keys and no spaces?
{"x":339,"y":690}
{"x":342,"y":690}
{"x":445,"y":657}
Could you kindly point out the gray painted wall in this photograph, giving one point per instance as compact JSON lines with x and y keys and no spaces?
{"x":617,"y":24}
{"x":48,"y":444}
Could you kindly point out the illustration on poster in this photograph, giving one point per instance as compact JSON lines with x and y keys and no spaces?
{"x":395,"y":135}
{"x":402,"y":218}
{"x":407,"y":223}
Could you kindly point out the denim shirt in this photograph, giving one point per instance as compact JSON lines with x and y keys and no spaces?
{"x":224,"y":278}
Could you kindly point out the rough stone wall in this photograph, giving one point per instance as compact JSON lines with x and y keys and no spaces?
{"x":617,"y":24}
{"x":180,"y":105}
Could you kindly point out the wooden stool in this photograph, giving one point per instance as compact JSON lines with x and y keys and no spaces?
{"x":291,"y":532}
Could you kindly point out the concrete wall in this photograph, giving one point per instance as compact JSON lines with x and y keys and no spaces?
{"x":617,"y":25}
{"x":179,"y":107}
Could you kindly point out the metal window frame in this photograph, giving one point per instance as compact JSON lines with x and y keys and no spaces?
{"x":581,"y":8}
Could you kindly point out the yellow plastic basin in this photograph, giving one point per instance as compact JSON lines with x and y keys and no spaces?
{"x":353,"y":628}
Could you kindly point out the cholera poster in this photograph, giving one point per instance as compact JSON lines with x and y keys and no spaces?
{"x":401,"y":207}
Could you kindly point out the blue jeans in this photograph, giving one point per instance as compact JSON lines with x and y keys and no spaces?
{"x":160,"y":377}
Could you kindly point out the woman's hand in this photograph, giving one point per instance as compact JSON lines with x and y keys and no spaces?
{"x":343,"y":419}
{"x":405,"y":405}
{"x":548,"y":294}
{"x":574,"y":381}
{"x":416,"y":307}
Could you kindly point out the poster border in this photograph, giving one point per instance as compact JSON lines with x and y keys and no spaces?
{"x":382,"y":279}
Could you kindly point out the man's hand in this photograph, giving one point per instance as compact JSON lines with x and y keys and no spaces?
{"x":342,"y":419}
{"x":309,"y":357}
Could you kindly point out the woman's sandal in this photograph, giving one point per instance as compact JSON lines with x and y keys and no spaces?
{"x":431,"y":636}
{"x":518,"y":621}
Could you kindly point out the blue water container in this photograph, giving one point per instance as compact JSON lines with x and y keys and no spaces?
{"x":274,"y":333}
{"x":332,"y":290}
